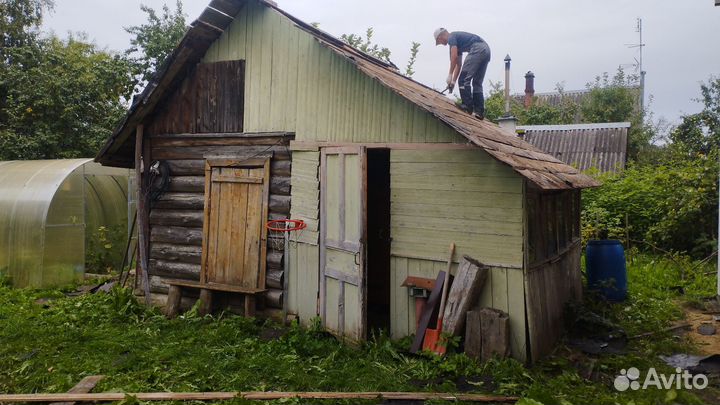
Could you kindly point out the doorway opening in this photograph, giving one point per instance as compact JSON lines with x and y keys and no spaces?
{"x":378,"y":240}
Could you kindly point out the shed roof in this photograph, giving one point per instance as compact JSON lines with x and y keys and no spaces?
{"x":601,"y":146}
{"x":544,"y":170}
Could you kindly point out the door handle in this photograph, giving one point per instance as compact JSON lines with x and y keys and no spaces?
{"x":357,"y":258}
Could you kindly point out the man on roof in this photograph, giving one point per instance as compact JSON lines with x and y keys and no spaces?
{"x":471,"y":73}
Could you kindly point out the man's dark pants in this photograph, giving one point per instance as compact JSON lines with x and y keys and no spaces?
{"x":471,"y":78}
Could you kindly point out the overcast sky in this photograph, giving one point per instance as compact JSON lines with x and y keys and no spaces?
{"x":561,"y":41}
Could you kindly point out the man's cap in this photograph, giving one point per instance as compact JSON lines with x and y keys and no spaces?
{"x":437,"y":33}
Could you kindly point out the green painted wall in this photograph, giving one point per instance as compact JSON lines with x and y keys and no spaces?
{"x":293,"y":84}
{"x":304,"y":254}
{"x":465,"y":197}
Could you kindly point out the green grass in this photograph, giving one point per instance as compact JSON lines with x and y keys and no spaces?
{"x":50,"y":348}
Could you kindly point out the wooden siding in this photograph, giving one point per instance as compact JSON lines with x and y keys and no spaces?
{"x":304,"y":254}
{"x":549,"y":288}
{"x":461,"y":196}
{"x":306,"y":195}
{"x":176,"y":218}
{"x":553,"y":271}
{"x":293,"y":84}
{"x":209,"y":99}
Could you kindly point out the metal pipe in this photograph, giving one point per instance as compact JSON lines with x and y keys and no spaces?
{"x":507,"y":85}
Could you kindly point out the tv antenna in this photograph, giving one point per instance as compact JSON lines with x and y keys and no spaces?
{"x":638,"y":65}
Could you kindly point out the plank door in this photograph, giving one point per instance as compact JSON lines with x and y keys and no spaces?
{"x":343,"y":181}
{"x":234,"y":233}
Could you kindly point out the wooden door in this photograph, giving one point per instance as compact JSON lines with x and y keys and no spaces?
{"x":343,"y":181}
{"x":234,"y":233}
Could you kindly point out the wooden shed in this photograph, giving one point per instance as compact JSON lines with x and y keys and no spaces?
{"x":259,"y":116}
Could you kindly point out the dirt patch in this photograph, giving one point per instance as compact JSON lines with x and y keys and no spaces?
{"x":706,"y":344}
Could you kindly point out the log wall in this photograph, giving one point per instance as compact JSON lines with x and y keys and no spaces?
{"x":176,"y":217}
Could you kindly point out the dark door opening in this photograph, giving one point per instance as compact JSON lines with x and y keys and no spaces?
{"x":378,"y":239}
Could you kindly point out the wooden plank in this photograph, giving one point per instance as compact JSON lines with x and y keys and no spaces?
{"x":469,"y":278}
{"x":220,"y":139}
{"x":464,"y":226}
{"x":251,"y":396}
{"x":458,"y":183}
{"x":420,"y":282}
{"x":453,"y":169}
{"x":237,"y":179}
{"x":213,"y":269}
{"x":500,"y":289}
{"x":430,"y":308}
{"x":84,"y":386}
{"x":308,"y":281}
{"x":241,"y":162}
{"x":516,"y":312}
{"x":468,"y":155}
{"x":214,"y":286}
{"x":200,"y":152}
{"x":204,"y":236}
{"x":398,"y":299}
{"x":494,"y":214}
{"x":458,"y":198}
{"x":252,"y":274}
{"x":264,"y":213}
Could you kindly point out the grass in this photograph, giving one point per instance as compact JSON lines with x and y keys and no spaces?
{"x":49,"y":348}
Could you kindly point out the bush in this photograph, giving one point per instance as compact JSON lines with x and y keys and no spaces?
{"x":105,"y":248}
{"x":672,"y":206}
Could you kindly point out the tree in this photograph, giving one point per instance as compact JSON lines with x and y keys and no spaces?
{"x":366,"y":45}
{"x":414,"y":49}
{"x":63,"y":97}
{"x":155,"y":40}
{"x":19,"y":25}
{"x":700,"y":133}
{"x":20,"y":20}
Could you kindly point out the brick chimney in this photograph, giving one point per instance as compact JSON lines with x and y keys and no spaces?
{"x":529,"y":89}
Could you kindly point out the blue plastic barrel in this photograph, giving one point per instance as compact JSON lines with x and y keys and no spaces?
{"x":606,"y":272}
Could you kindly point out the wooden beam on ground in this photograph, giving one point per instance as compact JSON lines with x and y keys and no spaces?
{"x":257,"y":396}
{"x":83,"y":387}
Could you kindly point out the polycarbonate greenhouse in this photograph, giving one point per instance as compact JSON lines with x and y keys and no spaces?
{"x":49,"y":210}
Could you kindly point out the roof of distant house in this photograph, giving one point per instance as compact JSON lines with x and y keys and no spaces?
{"x":602,"y":146}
